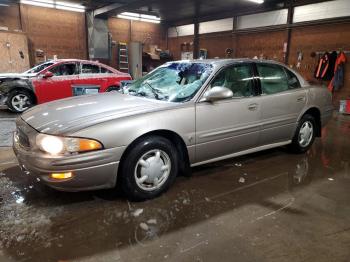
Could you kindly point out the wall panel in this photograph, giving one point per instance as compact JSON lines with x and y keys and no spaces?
{"x":184,"y":30}
{"x":56,"y":32}
{"x":216,"y":26}
{"x":319,"y":11}
{"x":272,"y":18}
{"x":13,"y":52}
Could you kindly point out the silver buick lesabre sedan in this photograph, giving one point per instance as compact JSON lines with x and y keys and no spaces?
{"x":180,"y":115}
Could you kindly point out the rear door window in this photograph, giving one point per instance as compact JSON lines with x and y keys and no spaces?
{"x":293,"y":81}
{"x":90,"y":69}
{"x":273,"y":78}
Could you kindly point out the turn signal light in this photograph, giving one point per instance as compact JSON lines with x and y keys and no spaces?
{"x":61,"y":175}
{"x":89,"y":145}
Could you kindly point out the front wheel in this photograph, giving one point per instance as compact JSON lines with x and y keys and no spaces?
{"x":149,"y":168}
{"x":19,"y":101}
{"x":304,"y":135}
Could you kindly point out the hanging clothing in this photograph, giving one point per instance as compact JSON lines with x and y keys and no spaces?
{"x":339,"y":71}
{"x":322,"y":67}
{"x":325,"y":66}
{"x":331,"y":69}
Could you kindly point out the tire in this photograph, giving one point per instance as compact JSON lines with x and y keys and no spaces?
{"x":149,"y":168}
{"x":304,"y":135}
{"x":19,"y":101}
{"x":113,"y":89}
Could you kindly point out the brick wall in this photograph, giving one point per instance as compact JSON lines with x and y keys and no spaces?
{"x":9,"y":17}
{"x":63,"y":33}
{"x":133,"y":31}
{"x":321,"y":38}
{"x":269,"y":44}
{"x":56,"y":32}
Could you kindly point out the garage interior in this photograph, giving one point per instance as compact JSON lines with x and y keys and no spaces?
{"x":266,"y":206}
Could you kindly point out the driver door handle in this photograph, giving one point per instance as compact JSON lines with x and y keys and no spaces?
{"x":253,"y":107}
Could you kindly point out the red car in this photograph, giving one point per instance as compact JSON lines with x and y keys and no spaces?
{"x":57,"y":79}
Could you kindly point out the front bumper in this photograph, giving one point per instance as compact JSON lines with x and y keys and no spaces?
{"x":91,"y":171}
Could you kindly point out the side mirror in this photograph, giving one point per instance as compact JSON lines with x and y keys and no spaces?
{"x":217,"y":93}
{"x":48,"y":74}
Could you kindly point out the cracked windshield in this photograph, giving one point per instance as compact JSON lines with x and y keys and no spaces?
{"x":174,"y":82}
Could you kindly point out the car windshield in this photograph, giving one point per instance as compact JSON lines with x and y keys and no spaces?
{"x":172,"y":82}
{"x":39,"y":68}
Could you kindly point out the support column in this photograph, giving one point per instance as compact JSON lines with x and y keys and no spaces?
{"x":196,"y":41}
{"x":99,"y":42}
{"x":289,"y":30}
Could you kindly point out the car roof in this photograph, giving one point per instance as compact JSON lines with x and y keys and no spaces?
{"x":228,"y":61}
{"x":57,"y":61}
{"x":74,"y":60}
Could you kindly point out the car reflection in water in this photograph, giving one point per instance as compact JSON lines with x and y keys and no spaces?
{"x":40,"y":224}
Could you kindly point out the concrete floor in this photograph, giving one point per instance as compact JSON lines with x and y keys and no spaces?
{"x":270,"y":206}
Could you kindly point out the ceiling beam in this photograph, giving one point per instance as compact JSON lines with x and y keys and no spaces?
{"x":106,"y":9}
{"x":117,"y":8}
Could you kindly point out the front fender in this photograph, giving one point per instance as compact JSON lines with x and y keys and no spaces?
{"x":123,"y":131}
{"x":8,"y":85}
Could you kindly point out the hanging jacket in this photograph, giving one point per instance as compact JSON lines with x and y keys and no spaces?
{"x":331,"y":69}
{"x":325,"y":66}
{"x":322,"y":67}
{"x":339,"y":71}
{"x":338,"y":81}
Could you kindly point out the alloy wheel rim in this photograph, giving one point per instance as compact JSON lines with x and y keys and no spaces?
{"x":306,"y":133}
{"x":152,"y":170}
{"x":20,"y":102}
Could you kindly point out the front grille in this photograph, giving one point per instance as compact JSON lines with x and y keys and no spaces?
{"x":23,"y":139}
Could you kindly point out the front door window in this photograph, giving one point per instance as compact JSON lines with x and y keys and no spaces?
{"x":238,"y":78}
{"x":64,"y":69}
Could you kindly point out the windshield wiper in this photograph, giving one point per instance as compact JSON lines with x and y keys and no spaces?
{"x":155,"y":91}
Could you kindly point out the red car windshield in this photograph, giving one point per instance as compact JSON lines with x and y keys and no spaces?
{"x":39,"y":68}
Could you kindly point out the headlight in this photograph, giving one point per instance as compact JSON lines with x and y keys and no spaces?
{"x":56,"y":145}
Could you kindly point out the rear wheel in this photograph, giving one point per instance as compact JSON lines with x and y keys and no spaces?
{"x":149,"y":168}
{"x":113,"y":88}
{"x":304,"y":135}
{"x":19,"y":101}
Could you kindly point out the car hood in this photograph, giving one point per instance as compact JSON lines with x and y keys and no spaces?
{"x":70,"y":115}
{"x":16,"y":75}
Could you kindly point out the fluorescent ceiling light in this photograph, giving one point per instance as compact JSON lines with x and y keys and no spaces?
{"x":55,"y":4}
{"x":257,"y":1}
{"x":129,"y":17}
{"x":150,"y":21}
{"x":140,"y":17}
{"x":70,"y":8}
{"x":48,"y":4}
